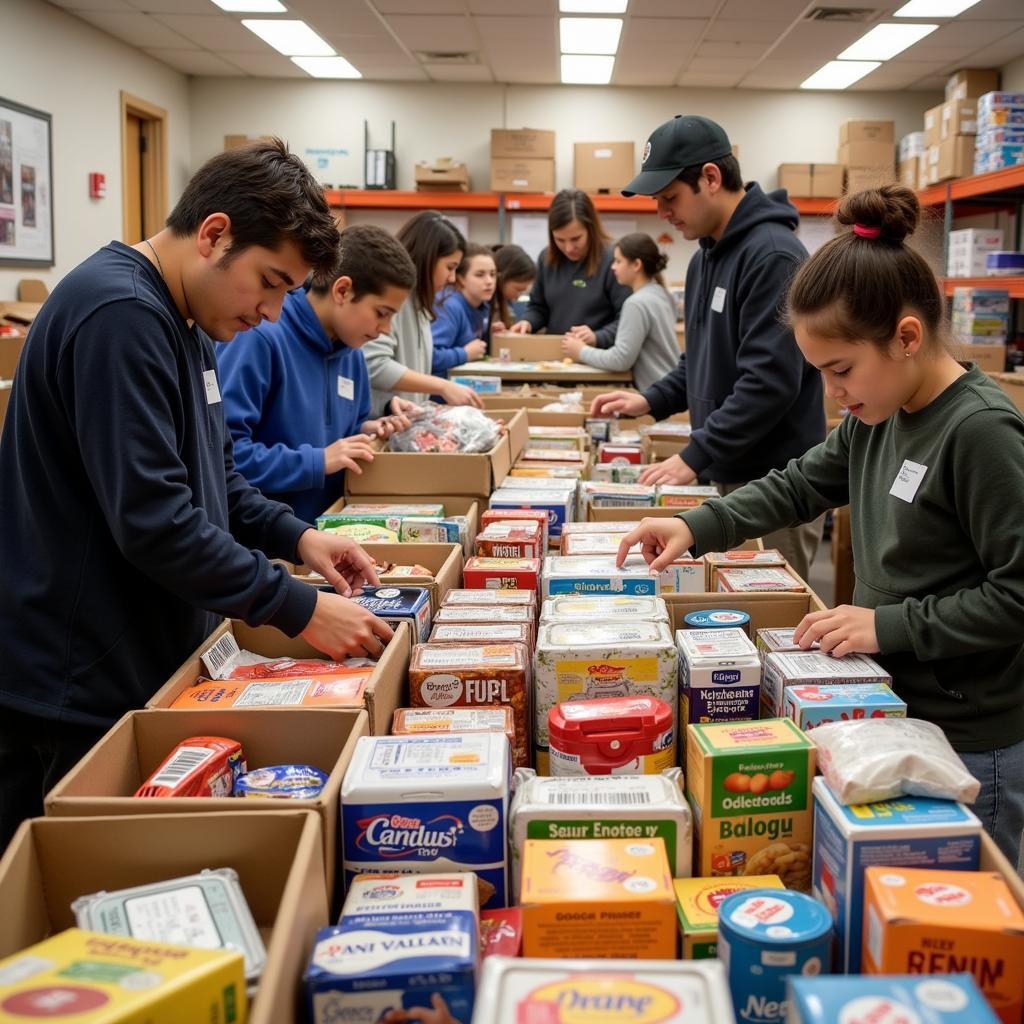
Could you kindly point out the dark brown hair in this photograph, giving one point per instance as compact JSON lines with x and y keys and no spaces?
{"x":732,"y":179}
{"x":514,"y":264}
{"x":372,"y":258}
{"x":568,"y":205}
{"x":866,"y":285}
{"x":472,"y":250}
{"x":270,"y":197}
{"x":638,"y":246}
{"x":429,"y":237}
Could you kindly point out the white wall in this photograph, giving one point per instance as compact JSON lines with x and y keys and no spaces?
{"x":53,"y":61}
{"x":1013,"y":76}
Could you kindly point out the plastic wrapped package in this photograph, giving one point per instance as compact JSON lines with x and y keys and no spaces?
{"x":447,"y":428}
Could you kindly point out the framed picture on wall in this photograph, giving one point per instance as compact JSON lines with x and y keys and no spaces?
{"x":26,"y":186}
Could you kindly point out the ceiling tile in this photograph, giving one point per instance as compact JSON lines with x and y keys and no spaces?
{"x":778,"y":68}
{"x":459,"y":72}
{"x":388,"y":7}
{"x":136,"y":29}
{"x":439,"y":32}
{"x":353,"y":16}
{"x":713,"y":65}
{"x":174,"y":6}
{"x":93,"y":5}
{"x":196,"y":62}
{"x":214,"y":32}
{"x":523,"y":7}
{"x":821,"y":41}
{"x":375,"y":46}
{"x":659,"y":66}
{"x":510,"y":32}
{"x":681,"y":32}
{"x":934,"y":83}
{"x":894,"y":75}
{"x":993,"y":10}
{"x":265,"y":65}
{"x":715,"y":49}
{"x":744,"y":31}
{"x":396,"y":73}
{"x":774,"y":10}
{"x":525,"y":68}
{"x":1000,"y":53}
{"x":672,"y":8}
{"x":706,"y":80}
{"x":968,"y":34}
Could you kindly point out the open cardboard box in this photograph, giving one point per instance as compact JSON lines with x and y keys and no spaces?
{"x":454,"y":505}
{"x":417,"y":473}
{"x":104,"y":781}
{"x":278,"y":856}
{"x":384,"y":691}
{"x":612,"y":513}
{"x":526,"y":348}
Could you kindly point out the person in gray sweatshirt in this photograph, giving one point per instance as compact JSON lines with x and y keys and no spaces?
{"x":646,"y":339}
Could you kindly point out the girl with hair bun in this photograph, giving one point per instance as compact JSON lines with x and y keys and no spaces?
{"x":930,"y":458}
{"x":646,"y":339}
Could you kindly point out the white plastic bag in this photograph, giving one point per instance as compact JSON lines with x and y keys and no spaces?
{"x":448,"y":428}
{"x":871,"y":759}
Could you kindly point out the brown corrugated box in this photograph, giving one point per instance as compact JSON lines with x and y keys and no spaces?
{"x":990,"y":358}
{"x":518,"y":174}
{"x":868,"y":154}
{"x":959,"y":117}
{"x":817,"y":181}
{"x":1013,"y":385}
{"x":909,"y":172}
{"x":933,"y":125}
{"x":603,"y":166}
{"x":442,"y":175}
{"x":860,"y":178}
{"x":526,"y":347}
{"x":951,"y":158}
{"x":861,"y":130}
{"x":970,"y":83}
{"x":522,"y":143}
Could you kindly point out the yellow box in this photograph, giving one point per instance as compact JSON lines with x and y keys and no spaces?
{"x":697,"y":901}
{"x":106,"y":979}
{"x":598,"y":898}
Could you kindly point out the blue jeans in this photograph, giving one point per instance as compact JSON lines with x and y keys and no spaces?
{"x":1000,"y":804}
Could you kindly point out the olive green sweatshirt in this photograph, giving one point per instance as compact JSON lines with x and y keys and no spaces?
{"x":936,"y":499}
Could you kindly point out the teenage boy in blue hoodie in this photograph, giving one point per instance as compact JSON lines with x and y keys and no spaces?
{"x":754,"y":401}
{"x":296,"y":392}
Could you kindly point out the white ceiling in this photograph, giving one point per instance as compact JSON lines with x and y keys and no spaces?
{"x":757,"y":44}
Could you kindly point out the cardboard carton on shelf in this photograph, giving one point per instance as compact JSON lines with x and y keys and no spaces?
{"x":909,"y":172}
{"x":522,"y":174}
{"x":970,"y":83}
{"x":990,"y":358}
{"x":442,"y":175}
{"x":820,"y":181}
{"x":603,"y":166}
{"x":860,"y":178}
{"x":868,"y":154}
{"x":522,"y":143}
{"x":959,"y":117}
{"x":235,"y":141}
{"x":863,"y":130}
{"x":933,"y":126}
{"x":951,"y":158}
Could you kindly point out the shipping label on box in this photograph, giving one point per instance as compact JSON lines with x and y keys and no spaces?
{"x":603,"y":166}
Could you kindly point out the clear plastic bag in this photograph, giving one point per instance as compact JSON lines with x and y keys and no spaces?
{"x":872,"y":759}
{"x":448,"y":428}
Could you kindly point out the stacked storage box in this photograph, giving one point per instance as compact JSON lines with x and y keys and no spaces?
{"x":867,"y":150}
{"x":981,"y":316}
{"x":912,"y":150}
{"x":969,"y":249}
{"x":1000,"y":140}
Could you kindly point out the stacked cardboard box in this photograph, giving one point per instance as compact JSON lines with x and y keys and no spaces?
{"x":1000,"y":131}
{"x":522,"y":160}
{"x":949,"y":131}
{"x":969,"y":249}
{"x":867,"y":150}
{"x":602,"y":166}
{"x":912,"y":150}
{"x":442,"y":175}
{"x":821,"y":181}
{"x":970,"y":83}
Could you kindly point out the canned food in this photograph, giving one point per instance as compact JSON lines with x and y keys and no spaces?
{"x":718,"y":618}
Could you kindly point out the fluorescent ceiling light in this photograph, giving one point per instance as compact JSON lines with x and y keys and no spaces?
{"x":292,"y":38}
{"x":590,"y":35}
{"x":251,"y":6}
{"x":327,"y":67}
{"x":838,"y":74}
{"x":596,"y":6}
{"x":580,"y":69}
{"x":934,"y":8}
{"x":885,"y":41}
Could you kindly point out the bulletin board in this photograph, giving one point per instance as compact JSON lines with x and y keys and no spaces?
{"x":26,"y":186}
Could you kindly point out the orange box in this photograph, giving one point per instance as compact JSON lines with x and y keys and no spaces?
{"x":598,"y":898}
{"x":338,"y":690}
{"x":919,"y":921}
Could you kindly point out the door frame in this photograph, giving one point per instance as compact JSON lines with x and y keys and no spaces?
{"x":154,"y":168}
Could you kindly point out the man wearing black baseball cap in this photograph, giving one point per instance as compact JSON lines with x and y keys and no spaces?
{"x":754,"y":402}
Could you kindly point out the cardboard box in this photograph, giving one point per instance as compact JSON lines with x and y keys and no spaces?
{"x":278,"y":856}
{"x":521,"y":175}
{"x":860,"y":130}
{"x":812,"y":668}
{"x":10,"y":353}
{"x":5,"y":401}
{"x":522,"y":143}
{"x":858,"y":179}
{"x":909,"y":171}
{"x":842,"y":557}
{"x":697,"y":901}
{"x":971,"y":83}
{"x":823,"y":181}
{"x":795,"y":179}
{"x":868,"y":154}
{"x":766,"y":611}
{"x":603,"y":166}
{"x":417,"y":473}
{"x":990,"y":358}
{"x":951,"y":158}
{"x":442,"y":175}
{"x":959,"y":117}
{"x":527,"y":348}
{"x":234,"y":141}
{"x":933,"y":126}
{"x":384,"y":691}
{"x":104,"y":781}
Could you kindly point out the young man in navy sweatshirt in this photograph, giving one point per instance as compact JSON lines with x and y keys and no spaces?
{"x":754,"y":401}
{"x":126,"y":534}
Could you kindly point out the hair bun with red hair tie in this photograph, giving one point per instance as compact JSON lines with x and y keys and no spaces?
{"x":866,"y":231}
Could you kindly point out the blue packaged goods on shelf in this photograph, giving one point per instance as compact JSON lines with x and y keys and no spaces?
{"x":288,"y":781}
{"x":909,"y":831}
{"x":559,"y":506}
{"x":982,"y":301}
{"x":1001,"y":115}
{"x":1005,"y":262}
{"x":399,"y":604}
{"x":995,"y":100}
{"x":991,"y":136}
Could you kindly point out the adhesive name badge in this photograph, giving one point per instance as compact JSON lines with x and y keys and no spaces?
{"x":212,"y":387}
{"x":718,"y":300}
{"x":908,"y":480}
{"x":346,"y":387}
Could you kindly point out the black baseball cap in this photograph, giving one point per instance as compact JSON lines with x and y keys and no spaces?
{"x":687,"y":140}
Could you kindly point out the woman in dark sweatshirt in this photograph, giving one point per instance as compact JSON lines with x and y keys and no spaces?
{"x":575,"y":292}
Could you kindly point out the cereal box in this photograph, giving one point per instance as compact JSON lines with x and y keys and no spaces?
{"x":602,"y":495}
{"x":749,"y":784}
{"x":912,"y":831}
{"x":684,"y":495}
{"x":615,"y":526}
{"x":686,"y":575}
{"x":561,"y":456}
{"x":599,"y":428}
{"x":618,"y":454}
{"x":504,"y":515}
{"x":597,"y":898}
{"x":90,"y":978}
{"x":811,"y":668}
{"x":511,"y":540}
{"x":482,"y":613}
{"x":341,"y":689}
{"x":399,"y":604}
{"x":894,"y":999}
{"x":579,"y":437}
{"x":475,"y":675}
{"x":585,"y":660}
{"x":557,"y":507}
{"x":770,"y":579}
{"x":546,"y":471}
{"x":613,"y":807}
{"x":425,"y":510}
{"x":482,"y":633}
{"x":616,"y":473}
{"x":597,"y":574}
{"x":483,"y":573}
{"x":489,"y":598}
{"x":697,"y":901}
{"x":594,"y":544}
{"x":364,"y":533}
{"x":811,"y":706}
{"x":923,"y":921}
{"x":719,"y":675}
{"x":420,"y":721}
{"x":604,"y":608}
{"x":741,"y":559}
{"x":602,"y":992}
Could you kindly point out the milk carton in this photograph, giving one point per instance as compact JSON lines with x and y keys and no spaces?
{"x":422,"y":804}
{"x":719,"y":675}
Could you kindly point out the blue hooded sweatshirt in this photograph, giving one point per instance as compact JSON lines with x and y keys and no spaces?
{"x":289,"y":392}
{"x":457,"y":324}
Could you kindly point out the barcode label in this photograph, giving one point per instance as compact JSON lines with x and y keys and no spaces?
{"x":592,"y":798}
{"x":220,"y":657}
{"x":185,"y":760}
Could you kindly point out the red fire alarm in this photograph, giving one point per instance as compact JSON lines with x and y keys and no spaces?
{"x":97,"y":185}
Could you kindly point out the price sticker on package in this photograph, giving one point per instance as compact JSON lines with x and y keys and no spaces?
{"x":908,"y":480}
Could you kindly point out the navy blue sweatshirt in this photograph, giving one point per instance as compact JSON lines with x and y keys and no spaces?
{"x":120,"y":502}
{"x":754,"y":401}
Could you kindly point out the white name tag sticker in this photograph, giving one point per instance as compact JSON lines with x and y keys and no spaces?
{"x":908,"y":480}
{"x":346,"y":387}
{"x":212,"y":387}
{"x":718,"y":300}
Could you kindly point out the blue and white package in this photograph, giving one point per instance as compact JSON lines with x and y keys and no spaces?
{"x":764,"y":936}
{"x":481,"y":385}
{"x":910,"y":831}
{"x":399,"y":604}
{"x":888,"y":999}
{"x":560,"y":506}
{"x":597,"y":574}
{"x":422,"y":804}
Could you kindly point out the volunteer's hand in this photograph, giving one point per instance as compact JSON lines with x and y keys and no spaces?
{"x":583,"y":333}
{"x":498,"y":327}
{"x":343,"y":453}
{"x":405,"y":407}
{"x":476,"y":349}
{"x":620,"y":403}
{"x":670,"y":471}
{"x":384,"y":427}
{"x":522,"y":327}
{"x":340,"y":560}
{"x":459,"y":394}
{"x":572,"y":346}
{"x":343,"y":629}
{"x":440,"y":1014}
{"x":840,"y":631}
{"x":661,"y":542}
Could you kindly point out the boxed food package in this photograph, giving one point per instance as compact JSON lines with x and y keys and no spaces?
{"x":422,"y":721}
{"x":770,"y":641}
{"x":484,"y":573}
{"x":811,"y":668}
{"x":504,"y":515}
{"x":749,"y":784}
{"x":757,"y":581}
{"x":697,"y":902}
{"x":597,"y":574}
{"x":595,"y":494}
{"x":607,"y":526}
{"x":596,"y":898}
{"x":482,"y":633}
{"x":604,"y":608}
{"x":475,"y":675}
{"x":616,"y":473}
{"x":606,"y":544}
{"x":741,"y":559}
{"x":571,"y":456}
{"x":637,"y":807}
{"x":556,"y":507}
{"x":476,"y":614}
{"x":924,"y":921}
{"x":602,"y":166}
{"x":620,"y":454}
{"x":481,"y":385}
{"x":501,"y":933}
{"x":719,"y":676}
{"x":718,"y":618}
{"x":399,"y":604}
{"x":341,"y":689}
{"x":912,"y":831}
{"x":462,"y":598}
{"x":684,"y":495}
{"x":811,"y":706}
{"x":558,"y":437}
{"x":413,"y":804}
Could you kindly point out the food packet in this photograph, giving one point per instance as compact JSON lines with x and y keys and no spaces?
{"x":448,"y":428}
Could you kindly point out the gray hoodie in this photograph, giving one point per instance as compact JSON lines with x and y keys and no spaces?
{"x":409,"y":346}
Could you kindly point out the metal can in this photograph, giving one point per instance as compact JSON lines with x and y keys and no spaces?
{"x":718,"y":618}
